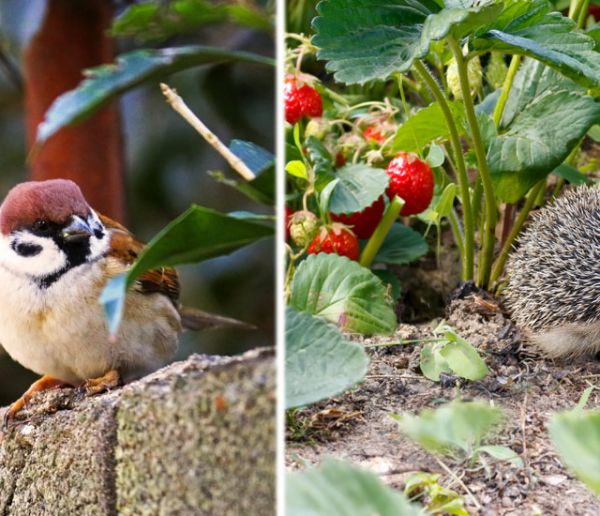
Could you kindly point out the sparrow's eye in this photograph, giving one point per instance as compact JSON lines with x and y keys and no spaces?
{"x":41,"y":226}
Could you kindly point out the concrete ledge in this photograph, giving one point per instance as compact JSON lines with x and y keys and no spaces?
{"x":197,"y":437}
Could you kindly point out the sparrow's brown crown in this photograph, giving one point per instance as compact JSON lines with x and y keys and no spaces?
{"x":55,"y":200}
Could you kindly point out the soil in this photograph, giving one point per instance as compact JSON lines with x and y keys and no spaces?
{"x":356,"y":426}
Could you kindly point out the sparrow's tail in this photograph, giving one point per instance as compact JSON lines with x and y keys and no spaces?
{"x":194,"y":319}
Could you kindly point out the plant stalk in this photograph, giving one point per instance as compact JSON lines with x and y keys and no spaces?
{"x":515,"y":230}
{"x":462,"y":178}
{"x":381,"y":231}
{"x":488,"y":240}
{"x":506,"y":86}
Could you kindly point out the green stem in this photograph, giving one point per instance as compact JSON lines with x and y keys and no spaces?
{"x":520,"y":220}
{"x":506,"y":86}
{"x":484,"y":268}
{"x":583,"y":14}
{"x":461,"y":176}
{"x":381,"y":231}
{"x":456,"y":231}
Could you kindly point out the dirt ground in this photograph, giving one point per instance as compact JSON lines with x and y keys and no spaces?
{"x":356,"y":426}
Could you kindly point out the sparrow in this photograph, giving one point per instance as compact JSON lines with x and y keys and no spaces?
{"x":56,"y":255}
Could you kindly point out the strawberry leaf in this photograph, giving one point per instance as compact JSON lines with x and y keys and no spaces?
{"x":337,"y":488}
{"x":343,"y":292}
{"x":358,"y":187}
{"x":371,"y":39}
{"x":401,"y":245}
{"x":319,"y":361}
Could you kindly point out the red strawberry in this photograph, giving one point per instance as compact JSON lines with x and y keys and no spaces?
{"x":363,"y":223}
{"x":336,"y":239}
{"x":301,"y":100}
{"x":411,"y":179}
{"x":340,"y":160}
{"x":374,"y":133}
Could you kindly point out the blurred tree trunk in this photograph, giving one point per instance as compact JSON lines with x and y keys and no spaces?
{"x":73,"y":37}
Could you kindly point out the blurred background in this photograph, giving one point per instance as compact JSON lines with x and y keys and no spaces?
{"x":166,"y":161}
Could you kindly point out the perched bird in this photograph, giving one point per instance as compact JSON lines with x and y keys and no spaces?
{"x":553,"y":289}
{"x":56,"y":254}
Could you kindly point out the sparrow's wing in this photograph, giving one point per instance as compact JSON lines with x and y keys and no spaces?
{"x":126,"y":248}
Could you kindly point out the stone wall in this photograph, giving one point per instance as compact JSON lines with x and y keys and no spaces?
{"x":197,"y":437}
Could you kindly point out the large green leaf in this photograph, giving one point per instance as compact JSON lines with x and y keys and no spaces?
{"x":533,"y":80}
{"x":105,"y":82}
{"x":538,"y":140}
{"x":427,"y":125}
{"x":343,"y":292}
{"x":401,"y":245}
{"x":371,"y":39}
{"x":576,"y":436}
{"x":319,"y":362}
{"x":359,"y":186}
{"x":194,"y":236}
{"x":453,"y":429}
{"x":463,"y":358}
{"x":527,"y":27}
{"x":339,"y":489}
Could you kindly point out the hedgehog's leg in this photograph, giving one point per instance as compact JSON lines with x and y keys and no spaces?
{"x":569,"y":340}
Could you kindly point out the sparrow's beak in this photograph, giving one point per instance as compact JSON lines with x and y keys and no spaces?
{"x":77,"y":231}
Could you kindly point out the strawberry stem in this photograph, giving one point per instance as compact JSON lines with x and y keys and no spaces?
{"x":381,"y":231}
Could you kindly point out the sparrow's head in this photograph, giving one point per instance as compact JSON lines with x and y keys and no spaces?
{"x":47,"y":228}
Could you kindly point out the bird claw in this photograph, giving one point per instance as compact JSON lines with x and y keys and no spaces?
{"x":104,"y":383}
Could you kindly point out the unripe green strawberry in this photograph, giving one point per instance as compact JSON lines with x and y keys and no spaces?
{"x":316,"y":127}
{"x":303,"y":227}
{"x":496,"y":70}
{"x":473,"y":73}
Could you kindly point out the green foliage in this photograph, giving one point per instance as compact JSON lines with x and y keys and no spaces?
{"x":259,"y":161}
{"x":451,"y":354}
{"x":339,"y":489}
{"x":527,"y":27}
{"x":402,"y":245}
{"x":441,"y":499}
{"x":425,"y":126}
{"x":103,"y":83}
{"x":343,"y":292}
{"x":196,"y":235}
{"x":372,"y":39}
{"x":158,"y":21}
{"x":358,"y":187}
{"x":319,"y":361}
{"x":456,"y":429}
{"x":539,"y":138}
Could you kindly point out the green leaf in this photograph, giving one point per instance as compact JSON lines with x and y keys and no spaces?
{"x":576,"y":436}
{"x":432,"y":363}
{"x":359,"y":186}
{"x":463,"y":358}
{"x":106,"y":82}
{"x":262,"y":163}
{"x":502,"y":453}
{"x":152,"y":21}
{"x":444,"y":206}
{"x":453,"y":429}
{"x":401,"y":245}
{"x":339,"y":489}
{"x":533,"y":80}
{"x":343,"y":292}
{"x":372,"y":39}
{"x":594,"y":133}
{"x":526,"y":27}
{"x":319,"y":362}
{"x":538,"y":140}
{"x":297,"y":168}
{"x":194,"y":236}
{"x":435,"y":156}
{"x":321,"y":160}
{"x":426,"y":126}
{"x":571,"y":174}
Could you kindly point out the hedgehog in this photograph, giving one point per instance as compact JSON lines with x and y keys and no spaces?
{"x":553,"y":290}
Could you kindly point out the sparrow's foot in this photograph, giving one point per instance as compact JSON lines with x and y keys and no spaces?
{"x":43,"y":384}
{"x":105,"y":383}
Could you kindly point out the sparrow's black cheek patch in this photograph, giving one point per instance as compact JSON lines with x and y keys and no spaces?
{"x":98,"y":233}
{"x":26,"y":249}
